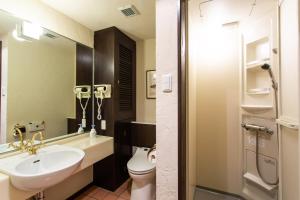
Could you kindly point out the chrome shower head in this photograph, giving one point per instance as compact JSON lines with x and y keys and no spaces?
{"x":266,"y":66}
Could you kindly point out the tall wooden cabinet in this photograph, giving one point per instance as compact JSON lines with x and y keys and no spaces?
{"x":115,"y":64}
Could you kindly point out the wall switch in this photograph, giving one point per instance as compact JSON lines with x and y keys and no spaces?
{"x":103,"y":124}
{"x":167,"y":83}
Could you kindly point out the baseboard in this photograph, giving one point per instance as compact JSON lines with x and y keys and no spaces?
{"x":220,"y":192}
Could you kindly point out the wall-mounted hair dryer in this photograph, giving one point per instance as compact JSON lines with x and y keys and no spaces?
{"x":83,"y":92}
{"x":101,"y":92}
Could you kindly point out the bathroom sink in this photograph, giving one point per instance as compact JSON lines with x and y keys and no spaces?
{"x":48,"y":167}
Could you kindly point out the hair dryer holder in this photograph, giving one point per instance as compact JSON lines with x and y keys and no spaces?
{"x":102,"y":91}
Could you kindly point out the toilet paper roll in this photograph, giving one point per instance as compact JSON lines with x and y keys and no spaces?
{"x":152,"y":156}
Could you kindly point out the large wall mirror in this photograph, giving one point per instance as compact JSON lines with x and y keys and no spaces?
{"x":38,"y":75}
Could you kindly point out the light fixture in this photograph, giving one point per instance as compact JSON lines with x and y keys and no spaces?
{"x":27,"y":32}
{"x":15,"y":35}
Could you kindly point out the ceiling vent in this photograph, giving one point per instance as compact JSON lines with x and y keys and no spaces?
{"x":49,"y":35}
{"x":129,"y":10}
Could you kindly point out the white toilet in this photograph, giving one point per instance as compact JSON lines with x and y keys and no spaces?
{"x":141,"y":168}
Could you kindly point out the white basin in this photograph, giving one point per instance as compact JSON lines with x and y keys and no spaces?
{"x":48,"y":167}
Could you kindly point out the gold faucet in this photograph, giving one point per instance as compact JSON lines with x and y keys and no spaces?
{"x":23,"y":143}
{"x":32,"y":148}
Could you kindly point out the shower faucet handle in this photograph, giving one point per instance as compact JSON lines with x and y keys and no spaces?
{"x":257,"y":128}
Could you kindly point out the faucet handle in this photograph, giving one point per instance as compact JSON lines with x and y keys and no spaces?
{"x":32,"y":148}
{"x":17,"y":132}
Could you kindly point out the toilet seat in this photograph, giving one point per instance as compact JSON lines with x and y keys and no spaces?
{"x":140,"y":172}
{"x":139,"y":163}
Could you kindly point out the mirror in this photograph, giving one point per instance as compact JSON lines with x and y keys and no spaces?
{"x":38,"y":76}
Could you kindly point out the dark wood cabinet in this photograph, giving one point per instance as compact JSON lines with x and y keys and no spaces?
{"x":115,"y":64}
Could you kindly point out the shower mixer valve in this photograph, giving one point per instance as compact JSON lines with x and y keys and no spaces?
{"x":253,"y":127}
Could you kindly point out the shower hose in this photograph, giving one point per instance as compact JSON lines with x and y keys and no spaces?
{"x":257,"y":145}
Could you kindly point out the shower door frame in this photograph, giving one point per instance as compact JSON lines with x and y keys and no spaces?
{"x":182,"y":98}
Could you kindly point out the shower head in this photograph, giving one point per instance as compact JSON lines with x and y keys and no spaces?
{"x":266,"y":66}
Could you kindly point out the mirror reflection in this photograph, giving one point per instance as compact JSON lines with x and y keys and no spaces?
{"x":38,"y":78}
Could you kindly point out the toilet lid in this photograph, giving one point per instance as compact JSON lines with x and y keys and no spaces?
{"x":139,"y":162}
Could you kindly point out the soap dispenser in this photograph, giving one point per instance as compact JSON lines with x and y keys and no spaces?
{"x":93,"y":131}
{"x":80,"y":129}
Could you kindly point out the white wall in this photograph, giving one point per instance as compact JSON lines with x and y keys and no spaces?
{"x":167,"y":103}
{"x":37,"y":12}
{"x":145,"y":108}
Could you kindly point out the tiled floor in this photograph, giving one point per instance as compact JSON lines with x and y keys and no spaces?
{"x":97,"y":193}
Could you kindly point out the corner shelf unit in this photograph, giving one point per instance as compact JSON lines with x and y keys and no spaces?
{"x":257,"y":94}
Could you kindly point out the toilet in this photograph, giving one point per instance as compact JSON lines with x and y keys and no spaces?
{"x":141,"y":168}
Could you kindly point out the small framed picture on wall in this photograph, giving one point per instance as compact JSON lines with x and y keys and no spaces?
{"x":151,"y":84}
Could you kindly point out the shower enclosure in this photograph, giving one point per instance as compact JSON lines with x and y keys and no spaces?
{"x":242,"y":107}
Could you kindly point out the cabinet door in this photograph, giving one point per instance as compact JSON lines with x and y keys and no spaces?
{"x":125,"y":77}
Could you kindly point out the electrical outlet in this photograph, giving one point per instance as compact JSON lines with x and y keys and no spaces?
{"x":36,"y":126}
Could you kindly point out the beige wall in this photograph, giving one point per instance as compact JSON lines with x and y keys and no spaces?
{"x":41,"y":77}
{"x":218,"y":111}
{"x":167,"y":103}
{"x":37,"y":12}
{"x":145,"y":110}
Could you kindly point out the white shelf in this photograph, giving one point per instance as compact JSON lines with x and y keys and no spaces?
{"x":256,"y":108}
{"x":259,"y":91}
{"x":261,"y":39}
{"x":256,"y":64}
{"x":258,"y":181}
